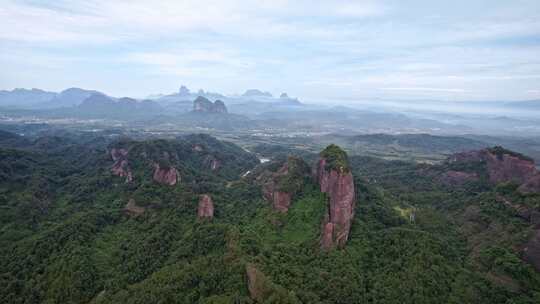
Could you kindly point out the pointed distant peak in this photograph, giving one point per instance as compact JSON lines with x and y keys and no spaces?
{"x":184,"y":91}
{"x":202,"y":104}
{"x":284,"y":95}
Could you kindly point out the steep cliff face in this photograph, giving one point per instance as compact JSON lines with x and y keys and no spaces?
{"x":505,"y":167}
{"x":165,"y":175}
{"x":219,"y":107}
{"x":501,"y":166}
{"x":334,"y":178}
{"x":201,"y":104}
{"x":121,"y":166}
{"x":212,"y":162}
{"x":206,"y":207}
{"x":280,"y":187}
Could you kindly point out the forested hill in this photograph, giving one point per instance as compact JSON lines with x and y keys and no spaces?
{"x":198,"y":220}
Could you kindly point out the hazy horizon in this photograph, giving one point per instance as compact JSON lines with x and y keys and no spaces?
{"x":340,"y":50}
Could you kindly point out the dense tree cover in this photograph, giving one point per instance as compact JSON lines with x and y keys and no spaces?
{"x":336,"y":158}
{"x":65,"y":236}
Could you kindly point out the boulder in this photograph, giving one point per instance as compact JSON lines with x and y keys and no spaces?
{"x":206,"y":207}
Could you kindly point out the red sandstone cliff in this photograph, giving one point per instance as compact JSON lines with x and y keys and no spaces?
{"x":280,"y":200}
{"x":502,"y":166}
{"x":121,"y":165}
{"x":206,"y":207}
{"x":166,"y":175}
{"x":338,"y":183}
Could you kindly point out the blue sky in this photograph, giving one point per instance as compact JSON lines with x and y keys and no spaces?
{"x":316,"y":50}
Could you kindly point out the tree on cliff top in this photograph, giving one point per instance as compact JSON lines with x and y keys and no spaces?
{"x":336,"y":158}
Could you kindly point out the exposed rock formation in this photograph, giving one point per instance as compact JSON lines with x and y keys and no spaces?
{"x":206,"y":207}
{"x":281,"y":201}
{"x":132,"y":208}
{"x":280,"y":187}
{"x":212,"y":162}
{"x":166,"y":175}
{"x":121,"y":165}
{"x":257,"y":282}
{"x":201,"y":104}
{"x":334,"y":178}
{"x":503,"y":166}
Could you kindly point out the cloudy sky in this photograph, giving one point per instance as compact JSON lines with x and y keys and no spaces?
{"x":316,"y":50}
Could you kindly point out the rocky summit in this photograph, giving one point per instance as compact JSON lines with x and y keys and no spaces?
{"x":203,"y":105}
{"x":499,"y":165}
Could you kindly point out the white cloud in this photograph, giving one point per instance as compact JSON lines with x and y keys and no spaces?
{"x":312,"y":47}
{"x":426,"y":89}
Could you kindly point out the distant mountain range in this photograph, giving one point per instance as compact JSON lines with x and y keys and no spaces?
{"x":36,"y":98}
{"x":527,"y":104}
{"x":253,"y":101}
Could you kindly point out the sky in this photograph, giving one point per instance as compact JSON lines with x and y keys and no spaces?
{"x":315,"y":50}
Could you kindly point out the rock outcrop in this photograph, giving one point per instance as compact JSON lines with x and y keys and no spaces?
{"x":502,"y":166}
{"x":280,"y":200}
{"x":131,"y":208}
{"x":334,"y":178}
{"x":280,"y":187}
{"x":201,"y":104}
{"x":206,"y":207}
{"x":212,"y":162}
{"x":258,"y":284}
{"x":121,"y":165}
{"x":165,"y":175}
